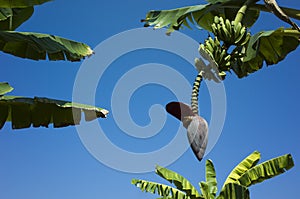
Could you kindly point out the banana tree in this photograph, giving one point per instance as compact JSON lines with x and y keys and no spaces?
{"x":232,"y":47}
{"x":245,"y":174}
{"x":24,"y":112}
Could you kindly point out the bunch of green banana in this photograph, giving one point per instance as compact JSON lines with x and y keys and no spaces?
{"x":218,"y":54}
{"x":231,"y":33}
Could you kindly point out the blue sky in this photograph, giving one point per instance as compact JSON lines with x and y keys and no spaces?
{"x":262,"y":111}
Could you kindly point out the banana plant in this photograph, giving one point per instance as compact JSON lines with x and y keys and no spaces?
{"x":232,"y":48}
{"x":25,"y":112}
{"x":245,"y":174}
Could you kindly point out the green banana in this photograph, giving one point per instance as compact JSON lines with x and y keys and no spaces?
{"x":221,"y":20}
{"x":221,"y":54}
{"x":208,"y":46}
{"x":242,"y":37}
{"x":226,"y":33}
{"x":247,"y":37}
{"x":230,"y":32}
{"x":216,"y":19}
{"x":214,"y":29}
{"x":211,"y":41}
{"x":224,"y":62}
{"x":217,"y":42}
{"x":237,"y":29}
{"x":220,"y":33}
{"x":229,"y":27}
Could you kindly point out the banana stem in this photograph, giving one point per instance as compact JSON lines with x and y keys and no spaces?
{"x":293,"y":33}
{"x":241,"y":13}
{"x":195,"y":92}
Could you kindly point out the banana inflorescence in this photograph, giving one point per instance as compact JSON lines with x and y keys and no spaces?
{"x":220,"y":60}
{"x":230,"y":32}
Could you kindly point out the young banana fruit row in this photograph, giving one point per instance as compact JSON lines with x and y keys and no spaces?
{"x":213,"y":48}
{"x":231,"y":33}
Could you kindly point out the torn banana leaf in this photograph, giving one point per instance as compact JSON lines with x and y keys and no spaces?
{"x":38,"y":46}
{"x":199,"y":15}
{"x":270,"y":47}
{"x":203,"y":15}
{"x":24,"y":112}
{"x":267,"y":170}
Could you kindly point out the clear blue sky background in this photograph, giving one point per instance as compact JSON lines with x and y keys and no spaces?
{"x":262,"y":111}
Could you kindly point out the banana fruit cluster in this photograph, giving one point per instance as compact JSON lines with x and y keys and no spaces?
{"x":218,"y":54}
{"x":231,"y":33}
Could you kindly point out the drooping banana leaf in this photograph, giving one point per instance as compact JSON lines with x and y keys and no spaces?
{"x":266,"y":170}
{"x":179,"y":181}
{"x":38,"y":46}
{"x":267,"y":46}
{"x":211,"y":179}
{"x":24,"y":112}
{"x":11,"y":18}
{"x":5,"y":88}
{"x":203,"y":15}
{"x":246,"y":164}
{"x":234,"y":191}
{"x":200,"y":15}
{"x":21,"y":3}
{"x":156,"y":188}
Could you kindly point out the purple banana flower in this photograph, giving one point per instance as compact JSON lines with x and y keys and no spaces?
{"x":197,"y":128}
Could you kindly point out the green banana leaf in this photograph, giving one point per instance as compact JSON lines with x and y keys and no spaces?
{"x":267,"y":170}
{"x":21,"y":3}
{"x":24,"y":112}
{"x":38,"y":46}
{"x":246,"y":164}
{"x":11,"y":18}
{"x":200,"y":15}
{"x":5,"y":88}
{"x":211,"y":179}
{"x":267,"y":46}
{"x":234,"y":191}
{"x":205,"y":190}
{"x":156,"y":188}
{"x":179,"y":181}
{"x":203,"y":15}
{"x":236,"y":185}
